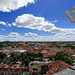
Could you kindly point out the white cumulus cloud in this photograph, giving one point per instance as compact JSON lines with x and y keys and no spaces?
{"x":13,"y":34}
{"x":3,"y":29}
{"x":39,"y":23}
{"x":30,"y":34}
{"x":33,"y":22}
{"x":2,"y":22}
{"x":9,"y":24}
{"x":8,"y":5}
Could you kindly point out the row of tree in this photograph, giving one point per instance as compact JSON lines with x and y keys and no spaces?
{"x":2,"y":56}
{"x":64,"y":57}
{"x":25,"y":58}
{"x":71,"y":46}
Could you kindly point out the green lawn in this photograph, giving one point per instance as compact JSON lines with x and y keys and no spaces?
{"x":26,"y":73}
{"x":37,"y":64}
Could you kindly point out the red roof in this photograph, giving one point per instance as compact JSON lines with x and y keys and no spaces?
{"x":54,"y":66}
{"x":0,"y":51}
{"x":45,"y":52}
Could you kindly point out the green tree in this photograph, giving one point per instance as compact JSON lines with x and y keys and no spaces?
{"x":64,"y":57}
{"x":9,"y":62}
{"x":2,"y":55}
{"x":22,"y":54}
{"x":26,"y":61}
{"x":0,"y":60}
{"x":14,"y":59}
{"x":18,"y":57}
{"x":40,"y":54}
{"x":12,"y":54}
{"x":5,"y":61}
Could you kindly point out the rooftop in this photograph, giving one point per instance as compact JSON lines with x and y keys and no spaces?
{"x":20,"y":51}
{"x":68,"y":71}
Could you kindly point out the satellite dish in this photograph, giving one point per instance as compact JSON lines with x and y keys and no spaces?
{"x":68,"y":13}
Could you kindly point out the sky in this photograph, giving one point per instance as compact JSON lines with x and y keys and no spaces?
{"x":36,"y":20}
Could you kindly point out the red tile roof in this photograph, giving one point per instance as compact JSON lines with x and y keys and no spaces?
{"x":49,"y":53}
{"x":57,"y":66}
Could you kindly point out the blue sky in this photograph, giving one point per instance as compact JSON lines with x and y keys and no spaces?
{"x":36,"y":20}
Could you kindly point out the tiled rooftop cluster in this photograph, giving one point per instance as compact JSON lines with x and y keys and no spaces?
{"x":49,"y":53}
{"x":47,"y":49}
{"x":38,"y":47}
{"x":68,"y":71}
{"x":54,"y":67}
{"x":12,"y":69}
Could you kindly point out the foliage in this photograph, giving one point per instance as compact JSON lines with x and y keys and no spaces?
{"x":9,"y":62}
{"x":37,"y":64}
{"x":35,"y":54}
{"x":72,"y":47}
{"x":1,"y":46}
{"x":12,"y":54}
{"x":24,"y":58}
{"x":43,"y":72}
{"x":2,"y":55}
{"x":14,"y":59}
{"x":26,"y":61}
{"x":5,"y":61}
{"x":0,"y":60}
{"x":40,"y":54}
{"x":64,"y":57}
